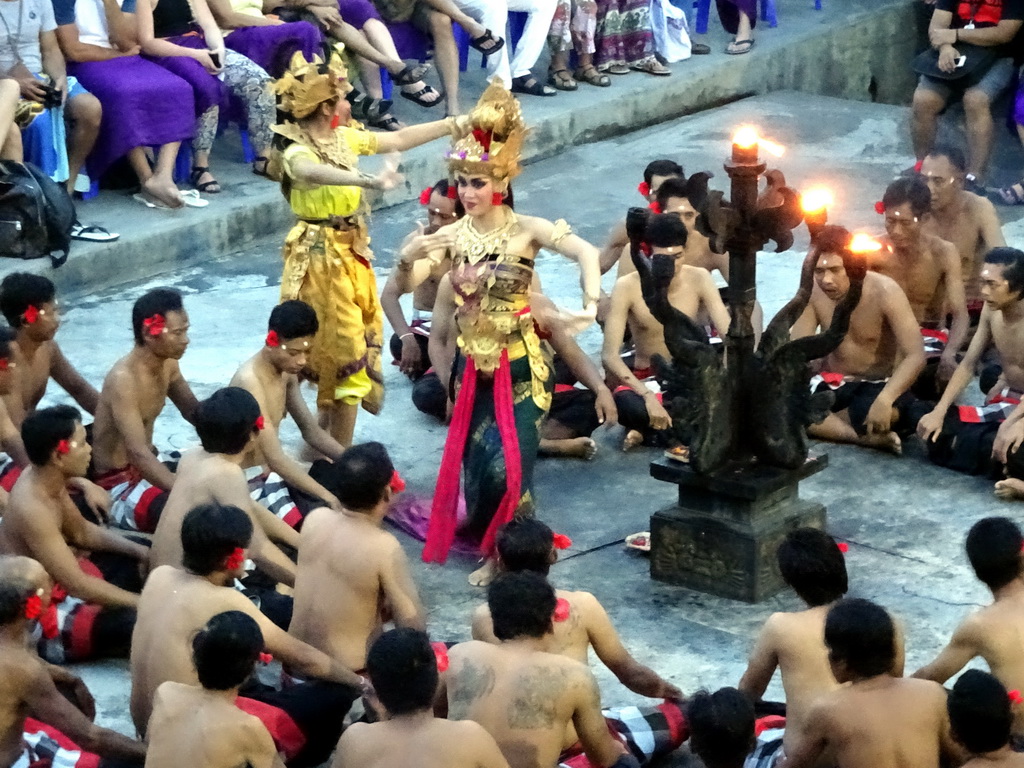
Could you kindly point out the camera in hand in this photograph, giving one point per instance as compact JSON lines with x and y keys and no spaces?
{"x":51,"y":96}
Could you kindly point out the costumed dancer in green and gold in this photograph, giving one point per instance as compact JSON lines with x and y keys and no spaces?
{"x":327,"y":257}
{"x":506,"y":380}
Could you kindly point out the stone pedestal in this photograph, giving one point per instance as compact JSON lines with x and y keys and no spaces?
{"x":722,"y":536}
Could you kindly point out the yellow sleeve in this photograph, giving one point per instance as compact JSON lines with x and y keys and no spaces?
{"x":360,"y":141}
{"x":295,"y":152}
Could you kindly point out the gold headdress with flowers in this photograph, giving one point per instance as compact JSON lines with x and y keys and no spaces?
{"x":304,"y":86}
{"x":494,"y":145}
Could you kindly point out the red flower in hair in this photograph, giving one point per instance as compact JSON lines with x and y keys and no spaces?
{"x":453,"y":193}
{"x":33,"y":607}
{"x":155,"y":325}
{"x":1015,"y":697}
{"x":561,"y":610}
{"x":917,"y":166}
{"x":58,"y":594}
{"x":397,"y":484}
{"x":843,"y":547}
{"x":645,"y":249}
{"x":880,"y":208}
{"x":5,"y":364}
{"x":266,"y":658}
{"x":483,"y":137}
{"x":441,"y":656}
{"x":260,"y":423}
{"x":31,"y":314}
{"x":561,"y":541}
{"x":425,"y":196}
{"x":63,"y":447}
{"x":643,"y":188}
{"x":655,"y":207}
{"x":235,"y":560}
{"x":273,"y":340}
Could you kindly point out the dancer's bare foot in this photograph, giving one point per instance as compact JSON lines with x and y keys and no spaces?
{"x":163,"y":191}
{"x":632,"y":440}
{"x":888,"y":443}
{"x":1010,"y":488}
{"x":574,"y":447}
{"x":484,"y":575}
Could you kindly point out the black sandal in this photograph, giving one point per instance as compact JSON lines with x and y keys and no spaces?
{"x":410,"y":75}
{"x":386,"y":123}
{"x":207,"y":187}
{"x":417,"y":97}
{"x":262,"y":171}
{"x":531,"y":86}
{"x":365,"y":108}
{"x":478,"y":43}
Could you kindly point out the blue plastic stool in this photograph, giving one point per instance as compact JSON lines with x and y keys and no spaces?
{"x":768,"y":14}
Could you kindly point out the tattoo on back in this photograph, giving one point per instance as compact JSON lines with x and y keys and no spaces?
{"x":535,"y":703}
{"x":472,"y":682}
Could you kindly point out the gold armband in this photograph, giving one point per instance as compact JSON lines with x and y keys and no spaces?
{"x":561,"y":231}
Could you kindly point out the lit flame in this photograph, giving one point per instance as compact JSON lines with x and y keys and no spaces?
{"x":862,"y":243}
{"x":746,"y":137}
{"x":817,"y":199}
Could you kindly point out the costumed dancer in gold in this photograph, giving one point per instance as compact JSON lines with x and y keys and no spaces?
{"x":506,"y":381}
{"x":327,"y":258}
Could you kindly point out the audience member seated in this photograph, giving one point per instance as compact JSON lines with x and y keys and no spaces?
{"x":133,"y":394}
{"x":965,"y":219}
{"x":994,"y":633}
{"x":266,"y":40}
{"x":205,"y":725}
{"x":31,"y":55}
{"x":739,"y":17}
{"x":228,"y":422}
{"x":41,"y":726}
{"x":1014,"y":194}
{"x":352,"y":574}
{"x":814,"y":567}
{"x":514,"y":67}
{"x":528,"y":698}
{"x":10,"y":136}
{"x":991,"y":26}
{"x":277,"y":481}
{"x":183,"y":38}
{"x":580,"y":623}
{"x":97,"y":593}
{"x":637,"y":396}
{"x":722,"y":727}
{"x":927,"y":268}
{"x":876,"y":719}
{"x":29,"y":304}
{"x":986,"y":440}
{"x":403,"y":669}
{"x":304,"y":718}
{"x":143,"y":105}
{"x":572,"y":33}
{"x":980,"y":715}
{"x":880,"y":358}
{"x":624,"y":38}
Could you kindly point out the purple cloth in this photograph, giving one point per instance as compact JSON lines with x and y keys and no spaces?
{"x":729,"y":12}
{"x":357,"y":12}
{"x":411,"y":514}
{"x":207,"y":90}
{"x":273,"y":47}
{"x":143,"y":105}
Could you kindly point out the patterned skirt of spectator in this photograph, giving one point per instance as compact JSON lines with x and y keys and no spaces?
{"x":624,"y":37}
{"x":729,"y":12}
{"x":574,"y":26}
{"x":144,"y":105}
{"x":273,"y":47}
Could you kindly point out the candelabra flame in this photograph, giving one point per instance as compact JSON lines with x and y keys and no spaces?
{"x":817,"y":199}
{"x":862,"y":243}
{"x":746,"y":136}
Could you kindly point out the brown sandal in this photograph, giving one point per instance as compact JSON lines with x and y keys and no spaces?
{"x":591,"y":76}
{"x":562,"y":80}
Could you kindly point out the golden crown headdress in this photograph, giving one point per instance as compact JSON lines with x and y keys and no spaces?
{"x":494,"y":145}
{"x":304,"y":86}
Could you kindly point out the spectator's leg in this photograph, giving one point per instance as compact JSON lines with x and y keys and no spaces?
{"x":206,"y":131}
{"x":531,"y":44}
{"x":248,"y":82}
{"x":927,"y":104}
{"x":84,"y":112}
{"x":492,"y":15}
{"x":559,"y":36}
{"x":446,"y":56}
{"x":10,"y":136}
{"x":158,"y":182}
{"x":978,"y":116}
{"x":380,"y":38}
{"x":464,"y":20}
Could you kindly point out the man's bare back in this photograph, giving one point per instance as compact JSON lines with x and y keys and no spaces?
{"x":427,"y":742}
{"x":201,"y":729}
{"x":352,"y":575}
{"x":270,"y":390}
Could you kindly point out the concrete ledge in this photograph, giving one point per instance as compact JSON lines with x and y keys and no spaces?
{"x":853,"y":49}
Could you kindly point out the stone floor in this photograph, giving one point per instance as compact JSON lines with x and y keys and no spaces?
{"x":904,"y":519}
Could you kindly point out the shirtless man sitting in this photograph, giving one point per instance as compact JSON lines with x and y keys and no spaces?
{"x":524,"y":696}
{"x":878,"y":720}
{"x":403,"y":669}
{"x":927,"y":268}
{"x":994,"y":633}
{"x":228,"y":423}
{"x":98,"y":593}
{"x":965,"y":219}
{"x":177,"y":603}
{"x":721,"y":727}
{"x":980,"y":716}
{"x":812,"y":566}
{"x":692,"y":291}
{"x":13,"y":458}
{"x":877,"y":362}
{"x":202,"y":726}
{"x":277,"y":481}
{"x":986,"y":440}
{"x":133,"y":395}
{"x":37,"y":723}
{"x":29,"y":304}
{"x":352,"y":573}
